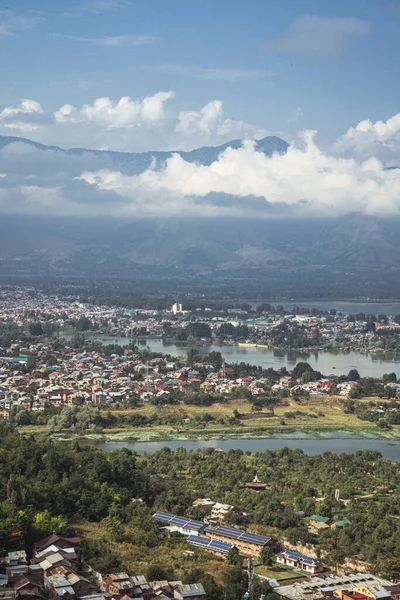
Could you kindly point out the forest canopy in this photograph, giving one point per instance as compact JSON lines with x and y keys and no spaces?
{"x":50,"y":486}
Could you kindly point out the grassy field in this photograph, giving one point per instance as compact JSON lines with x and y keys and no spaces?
{"x":136,"y":557}
{"x":278,"y":573}
{"x":317,"y":414}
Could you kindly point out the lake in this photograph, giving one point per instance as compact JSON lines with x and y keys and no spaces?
{"x":389,"y":307}
{"x":327,"y":363}
{"x":347,"y":445}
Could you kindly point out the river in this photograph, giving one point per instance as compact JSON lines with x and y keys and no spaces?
{"x":347,"y":445}
{"x":327,"y":363}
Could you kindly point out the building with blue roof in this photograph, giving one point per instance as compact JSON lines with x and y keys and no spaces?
{"x":182,"y":525}
{"x":249,"y":544}
{"x":207,"y":544}
{"x":299,"y":561}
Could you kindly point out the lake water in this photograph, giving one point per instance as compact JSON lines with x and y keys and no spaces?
{"x":347,"y":445}
{"x":327,"y":363}
{"x":389,"y":307}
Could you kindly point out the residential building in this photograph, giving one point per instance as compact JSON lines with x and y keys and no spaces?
{"x":299,"y":561}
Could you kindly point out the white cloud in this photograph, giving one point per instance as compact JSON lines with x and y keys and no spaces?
{"x":351,"y":177}
{"x":11,"y":23}
{"x":381,"y":138}
{"x":124,"y":113}
{"x":24,"y":107}
{"x":297,"y":114}
{"x":306,"y":180}
{"x":112,"y":41}
{"x":306,"y":177}
{"x":24,"y":116}
{"x":319,"y":36}
{"x":211,"y":119}
{"x":115,"y":124}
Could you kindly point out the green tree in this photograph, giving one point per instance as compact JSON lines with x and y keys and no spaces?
{"x":301,"y":368}
{"x":113,"y":527}
{"x":83,"y":324}
{"x":31,"y":362}
{"x":353,"y":375}
{"x":159,"y":573}
{"x":36,"y":328}
{"x":389,"y":568}
{"x":266,"y":556}
{"x":44,"y":523}
{"x":233,"y":557}
{"x":227,"y":329}
{"x":389,"y":378}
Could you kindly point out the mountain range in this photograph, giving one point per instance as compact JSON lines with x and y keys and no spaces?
{"x":133,"y":163}
{"x":354,"y":254}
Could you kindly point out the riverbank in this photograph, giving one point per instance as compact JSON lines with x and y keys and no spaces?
{"x":245,"y":345}
{"x":334,"y":361}
{"x":389,"y":449}
{"x":135,"y":435}
{"x":314,"y":417}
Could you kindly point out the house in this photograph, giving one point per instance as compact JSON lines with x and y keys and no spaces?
{"x":163,"y":589}
{"x":376,"y":591}
{"x":220,"y":511}
{"x":394,"y":591}
{"x":341,"y":523}
{"x":80,"y":585}
{"x":316,"y":519}
{"x":182,"y":525}
{"x":346,"y":595}
{"x":194,"y":591}
{"x":53,"y":560}
{"x":58,"y":586}
{"x":249,"y":544}
{"x":141,"y":587}
{"x":17,"y":558}
{"x":25,"y":584}
{"x":205,"y":543}
{"x":59,"y":540}
{"x":319,"y":587}
{"x":204,"y":504}
{"x":68,"y":554}
{"x":14,"y":573}
{"x":117,"y":584}
{"x":299,"y":561}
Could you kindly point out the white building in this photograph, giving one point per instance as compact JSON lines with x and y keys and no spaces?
{"x":176,"y":308}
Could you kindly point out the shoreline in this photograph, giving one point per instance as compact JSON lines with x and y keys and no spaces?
{"x":374,"y":354}
{"x":300,"y":436}
{"x":244,"y":345}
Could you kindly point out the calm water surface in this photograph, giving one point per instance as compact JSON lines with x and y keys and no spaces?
{"x":390,"y":307}
{"x":390,"y":450}
{"x":327,"y":363}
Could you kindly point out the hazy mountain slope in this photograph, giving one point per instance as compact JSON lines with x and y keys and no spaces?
{"x":351,"y":242}
{"x":352,"y":248}
{"x":132,"y":163}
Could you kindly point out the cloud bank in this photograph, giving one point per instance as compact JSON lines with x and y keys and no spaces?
{"x":126,"y":124}
{"x":306,"y":181}
{"x":305,"y":178}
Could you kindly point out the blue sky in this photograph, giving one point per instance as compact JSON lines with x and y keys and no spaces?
{"x":279,"y":65}
{"x":135,"y":75}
